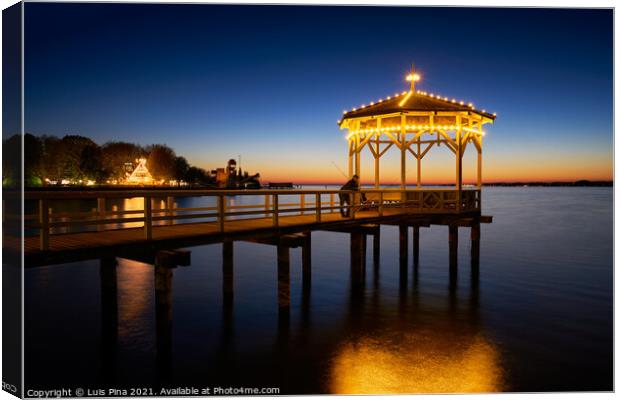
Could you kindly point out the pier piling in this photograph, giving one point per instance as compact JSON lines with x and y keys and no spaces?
{"x":376,"y":247}
{"x":416,"y":245}
{"x":164,"y":267}
{"x":403,"y":235}
{"x":475,"y":250}
{"x":453,"y":239}
{"x":306,"y":258}
{"x":227,"y":274}
{"x":284,"y":281}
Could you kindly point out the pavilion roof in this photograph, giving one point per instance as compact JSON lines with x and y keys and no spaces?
{"x":413,"y":101}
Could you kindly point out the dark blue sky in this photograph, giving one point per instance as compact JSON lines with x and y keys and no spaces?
{"x":270,"y":82}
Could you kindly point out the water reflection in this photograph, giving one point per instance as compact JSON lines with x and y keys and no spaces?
{"x":426,"y":360}
{"x":539,"y":319}
{"x":444,"y":353}
{"x":412,"y":354}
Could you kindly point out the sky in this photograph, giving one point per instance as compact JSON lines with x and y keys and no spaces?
{"x":268,"y":83}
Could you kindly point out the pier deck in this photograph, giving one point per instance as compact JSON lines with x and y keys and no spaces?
{"x":228,"y":220}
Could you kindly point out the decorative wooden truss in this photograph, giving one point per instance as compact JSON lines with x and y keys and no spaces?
{"x":413,"y":122}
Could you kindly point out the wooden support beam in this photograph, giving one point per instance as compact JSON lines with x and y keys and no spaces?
{"x":479,"y":170}
{"x":485,"y":219}
{"x":228,"y":282}
{"x":419,"y":169}
{"x":459,"y":165}
{"x":357,"y":156}
{"x":163,"y":309}
{"x":403,"y":154}
{"x":453,"y":240}
{"x":416,"y":245}
{"x":403,"y":243}
{"x":306,"y":259}
{"x":317,"y":205}
{"x":475,"y":248}
{"x":376,"y":248}
{"x":377,"y":158}
{"x":284,"y":281}
{"x":276,"y":210}
{"x":358,"y":262}
{"x":350,"y":158}
{"x":170,"y":208}
{"x":366,"y":229}
{"x":291,"y":240}
{"x":386,"y":148}
{"x":411,"y":221}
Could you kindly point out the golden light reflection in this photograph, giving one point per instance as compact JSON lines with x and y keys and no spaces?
{"x":428,"y":362}
{"x":135,"y":288}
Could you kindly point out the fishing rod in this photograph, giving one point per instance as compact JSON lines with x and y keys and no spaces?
{"x":339,"y":170}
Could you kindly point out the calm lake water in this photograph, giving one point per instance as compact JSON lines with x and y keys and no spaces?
{"x":538,"y":317}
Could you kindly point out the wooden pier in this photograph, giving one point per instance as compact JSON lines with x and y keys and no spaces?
{"x":227,"y":215}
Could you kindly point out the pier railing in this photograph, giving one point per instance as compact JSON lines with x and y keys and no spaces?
{"x":221,"y":207}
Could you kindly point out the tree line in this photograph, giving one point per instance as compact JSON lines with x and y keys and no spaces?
{"x":78,"y":158}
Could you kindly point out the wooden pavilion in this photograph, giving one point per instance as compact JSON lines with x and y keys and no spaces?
{"x":413,"y":122}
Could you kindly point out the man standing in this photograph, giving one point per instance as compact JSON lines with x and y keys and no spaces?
{"x":345,"y":198}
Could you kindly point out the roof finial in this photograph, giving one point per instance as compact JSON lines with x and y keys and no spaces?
{"x":413,"y":77}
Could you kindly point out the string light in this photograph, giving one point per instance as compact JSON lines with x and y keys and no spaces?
{"x":416,"y":78}
{"x":428,"y":128}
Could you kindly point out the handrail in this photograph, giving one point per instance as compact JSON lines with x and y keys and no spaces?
{"x":110,"y":194}
{"x":309,"y":203}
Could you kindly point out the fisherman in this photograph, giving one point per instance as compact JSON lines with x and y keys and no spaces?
{"x":345,"y":198}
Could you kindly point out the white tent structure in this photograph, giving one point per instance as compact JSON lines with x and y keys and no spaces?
{"x":141,"y":174}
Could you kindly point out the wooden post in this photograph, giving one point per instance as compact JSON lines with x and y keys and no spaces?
{"x":475,"y":249}
{"x":276,"y":210}
{"x":376,"y":247}
{"x":306,"y":280}
{"x":479,"y":180}
{"x":44,"y":221}
{"x":453,"y":239}
{"x":100,"y":212}
{"x":459,"y":165}
{"x":416,"y":245}
{"x":351,"y":158}
{"x":403,"y":243}
{"x":221,"y":212}
{"x":358,"y":261}
{"x":284,"y":281}
{"x":170,"y":208}
{"x":352,"y":204}
{"x":228,"y":281}
{"x":332,"y":202}
{"x":377,"y":158}
{"x":306,"y":258}
{"x":148,"y":218}
{"x":357,"y":156}
{"x":403,"y":158}
{"x":267,"y":205}
{"x":380,"y":210}
{"x":302,"y":203}
{"x":317,"y":204}
{"x":419,"y":170}
{"x":403,"y":259}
